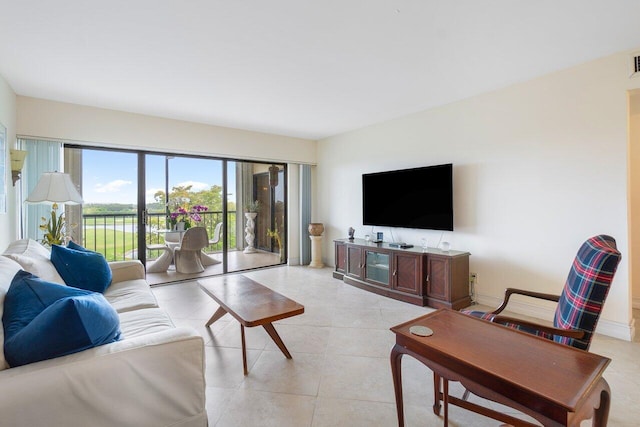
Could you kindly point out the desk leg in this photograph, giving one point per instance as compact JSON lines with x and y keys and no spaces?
{"x":601,"y":415}
{"x":244,"y":350}
{"x":445,"y":400}
{"x":437,"y":380}
{"x":218,"y":314}
{"x":396,"y":372}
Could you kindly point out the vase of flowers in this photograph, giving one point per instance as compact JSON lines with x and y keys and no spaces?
{"x":185,"y":217}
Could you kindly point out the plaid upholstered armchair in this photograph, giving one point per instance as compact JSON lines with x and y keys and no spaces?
{"x":581,"y":301}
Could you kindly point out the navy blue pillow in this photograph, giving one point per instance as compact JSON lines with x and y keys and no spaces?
{"x":77,"y":247}
{"x":81,"y":268}
{"x":44,"y":320}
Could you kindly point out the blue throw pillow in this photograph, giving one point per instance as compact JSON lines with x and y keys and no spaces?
{"x":81,"y":268}
{"x":77,"y":247}
{"x":27,"y":296}
{"x":44,"y":320}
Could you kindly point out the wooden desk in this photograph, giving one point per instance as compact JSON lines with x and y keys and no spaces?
{"x":555,"y":384}
{"x":252,"y":304}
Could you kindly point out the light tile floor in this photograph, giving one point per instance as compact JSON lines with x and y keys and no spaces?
{"x":340,"y":372}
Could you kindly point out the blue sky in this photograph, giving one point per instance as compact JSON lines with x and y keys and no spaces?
{"x":111,"y":177}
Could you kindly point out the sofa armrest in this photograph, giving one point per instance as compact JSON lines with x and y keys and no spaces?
{"x":126,"y":270}
{"x":152,"y":380}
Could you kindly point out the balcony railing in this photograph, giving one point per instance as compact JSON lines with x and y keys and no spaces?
{"x":116,"y":235}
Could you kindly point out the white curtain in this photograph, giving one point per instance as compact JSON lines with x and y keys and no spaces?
{"x":42,"y":156}
{"x":245,"y":184}
{"x":305,"y":214}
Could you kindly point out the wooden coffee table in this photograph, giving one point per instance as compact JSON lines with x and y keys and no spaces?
{"x":553,"y":383}
{"x":252,"y":304}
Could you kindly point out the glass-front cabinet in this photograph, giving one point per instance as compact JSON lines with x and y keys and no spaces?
{"x":376,"y":267}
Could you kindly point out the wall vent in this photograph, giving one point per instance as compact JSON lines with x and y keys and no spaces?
{"x":634,"y":65}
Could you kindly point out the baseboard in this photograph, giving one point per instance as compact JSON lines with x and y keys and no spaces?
{"x":606,"y":327}
{"x":293,"y":261}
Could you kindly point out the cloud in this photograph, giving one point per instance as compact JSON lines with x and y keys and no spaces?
{"x":112,"y":187}
{"x":195,"y":185}
{"x":151,"y":192}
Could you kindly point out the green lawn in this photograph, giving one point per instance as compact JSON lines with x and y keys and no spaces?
{"x":117,"y":245}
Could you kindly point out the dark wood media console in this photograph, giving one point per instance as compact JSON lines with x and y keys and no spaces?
{"x":430,"y":277}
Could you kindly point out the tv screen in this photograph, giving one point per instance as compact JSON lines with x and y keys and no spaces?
{"x":409,"y":198}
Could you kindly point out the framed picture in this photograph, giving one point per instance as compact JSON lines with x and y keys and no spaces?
{"x":3,"y":169}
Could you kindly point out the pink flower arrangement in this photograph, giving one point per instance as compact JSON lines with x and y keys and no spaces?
{"x":186,"y":216}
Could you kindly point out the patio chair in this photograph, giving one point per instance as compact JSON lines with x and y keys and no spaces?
{"x":188,"y":254}
{"x":205,"y":258}
{"x":216,"y":234}
{"x":162,"y":263}
{"x":172,"y":239}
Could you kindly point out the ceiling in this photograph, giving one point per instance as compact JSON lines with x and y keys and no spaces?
{"x":302,"y":68}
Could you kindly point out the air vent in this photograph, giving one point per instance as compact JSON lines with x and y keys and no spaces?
{"x":634,"y":65}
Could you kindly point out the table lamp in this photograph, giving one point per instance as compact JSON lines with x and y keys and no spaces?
{"x":54,"y":187}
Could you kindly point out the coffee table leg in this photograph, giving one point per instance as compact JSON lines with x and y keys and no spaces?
{"x":276,"y":338}
{"x":218,"y":314}
{"x":396,"y":373}
{"x":244,"y":350}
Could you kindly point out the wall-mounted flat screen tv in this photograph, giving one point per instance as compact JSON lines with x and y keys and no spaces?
{"x":409,"y":198}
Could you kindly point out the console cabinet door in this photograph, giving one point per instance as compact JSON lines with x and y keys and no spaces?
{"x":438,"y":285}
{"x":408,"y":273}
{"x":341,"y":257}
{"x":354,"y":261}
{"x":376,"y":267}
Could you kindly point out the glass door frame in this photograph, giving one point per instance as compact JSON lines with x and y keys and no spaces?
{"x":141,"y":208}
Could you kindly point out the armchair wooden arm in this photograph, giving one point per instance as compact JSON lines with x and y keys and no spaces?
{"x":510,"y":291}
{"x":571,"y":333}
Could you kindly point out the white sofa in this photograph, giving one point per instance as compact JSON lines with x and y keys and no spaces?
{"x":153,"y":376}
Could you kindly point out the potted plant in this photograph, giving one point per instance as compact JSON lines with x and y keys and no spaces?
{"x":54,"y":228}
{"x":275,"y":235}
{"x":253,"y":206}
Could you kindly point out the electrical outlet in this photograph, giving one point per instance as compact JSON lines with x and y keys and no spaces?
{"x":473,"y":282}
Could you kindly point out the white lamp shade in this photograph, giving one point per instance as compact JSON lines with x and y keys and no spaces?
{"x":55,"y":187}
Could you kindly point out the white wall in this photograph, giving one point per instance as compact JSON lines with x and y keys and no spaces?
{"x":8,"y":225}
{"x":97,"y":126}
{"x":538,"y":168}
{"x":109,"y":128}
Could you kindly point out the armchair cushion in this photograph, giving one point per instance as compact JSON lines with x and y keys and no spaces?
{"x":44,"y":320}
{"x":586,"y":289}
{"x":81,"y":268}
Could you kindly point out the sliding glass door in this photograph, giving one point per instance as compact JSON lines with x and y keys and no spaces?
{"x":260,"y":202}
{"x":180,"y":193}
{"x":107,"y":222}
{"x":138,"y":206}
